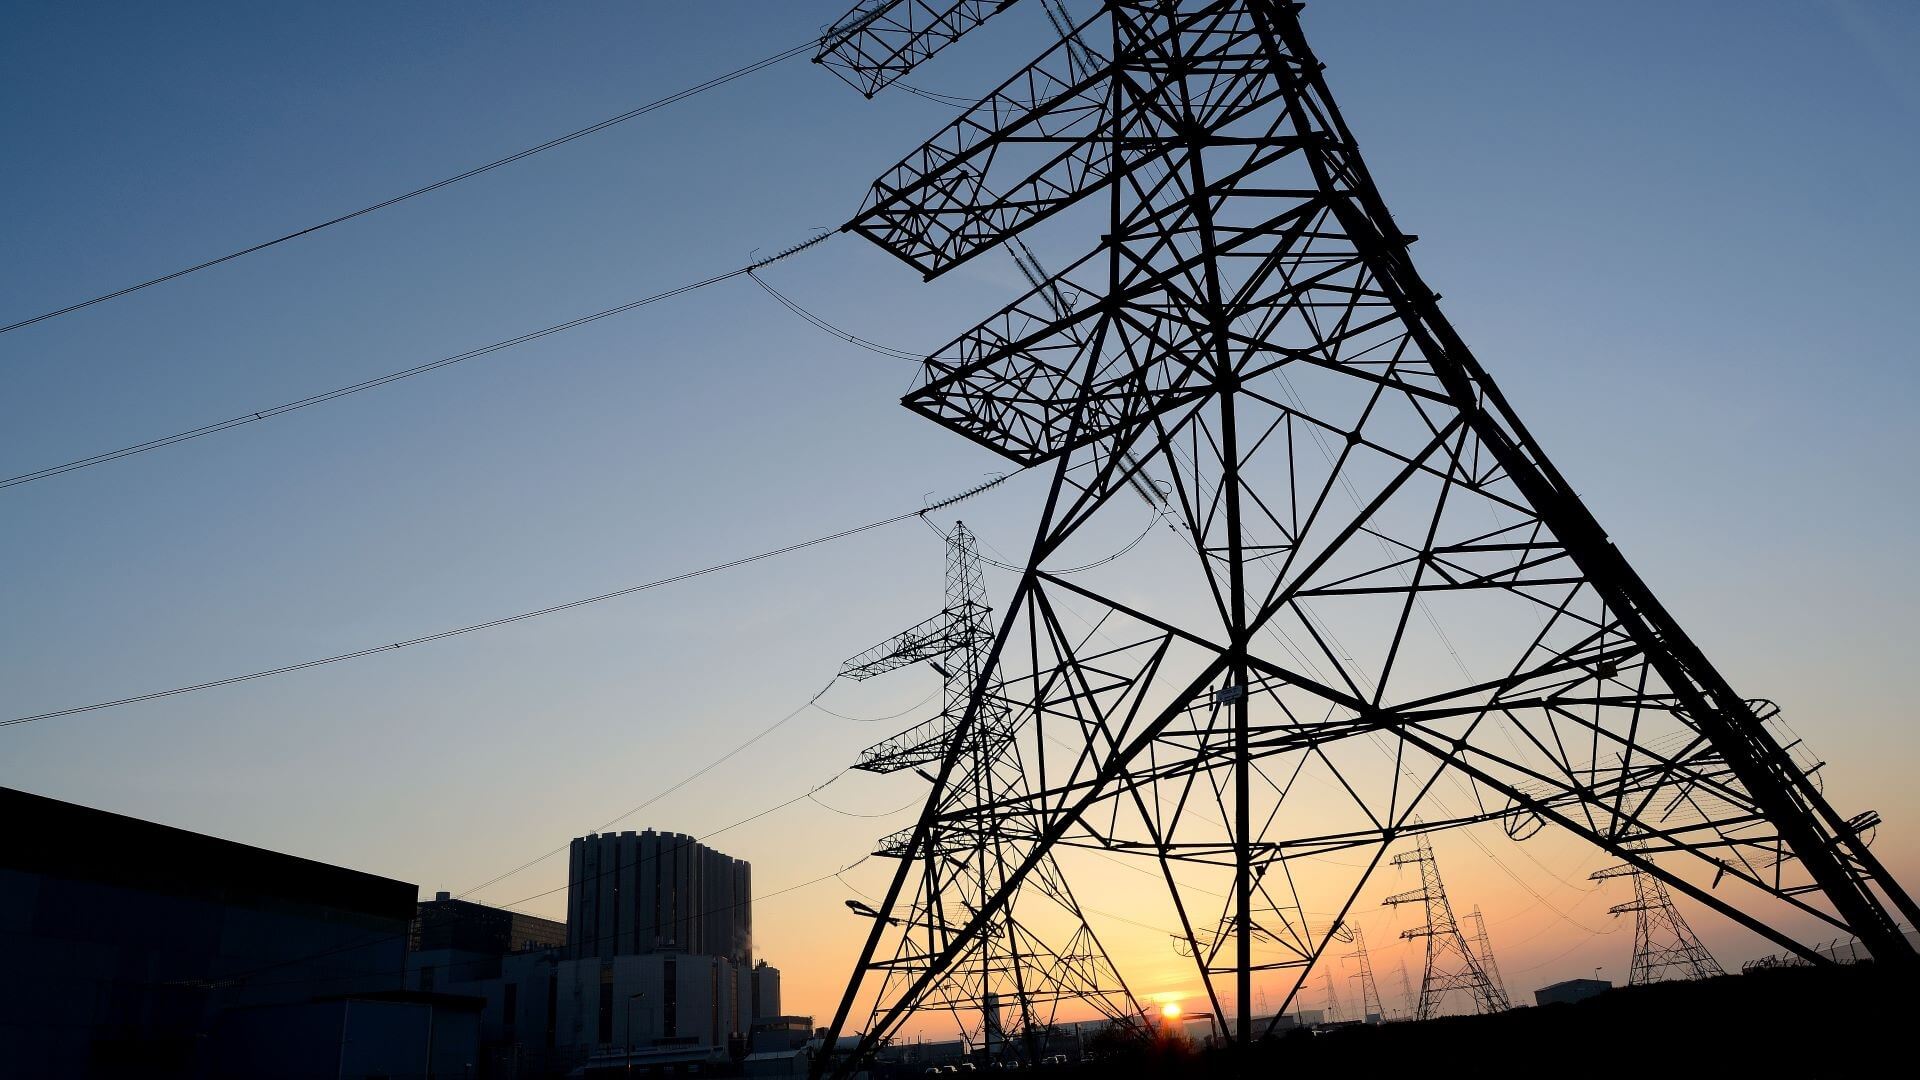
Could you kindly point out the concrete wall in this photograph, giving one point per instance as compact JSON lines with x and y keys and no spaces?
{"x":347,"y":1040}
{"x":705,"y":1000}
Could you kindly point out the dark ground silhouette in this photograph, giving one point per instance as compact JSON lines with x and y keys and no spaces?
{"x":1799,"y":1022}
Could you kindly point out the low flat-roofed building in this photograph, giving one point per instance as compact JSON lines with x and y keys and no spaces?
{"x":1570,"y":991}
{"x":125,"y":939}
{"x":465,"y":926}
{"x":508,"y":962}
{"x":779,"y":1033}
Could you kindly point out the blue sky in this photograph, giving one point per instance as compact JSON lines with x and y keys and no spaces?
{"x":1679,"y":235}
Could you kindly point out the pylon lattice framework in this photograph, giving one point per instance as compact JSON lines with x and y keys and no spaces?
{"x":1005,"y":990}
{"x":1482,"y":948}
{"x":1250,"y":328}
{"x":1664,"y":946}
{"x":1371,"y":1009}
{"x":1331,"y":1012}
{"x":1452,"y":965}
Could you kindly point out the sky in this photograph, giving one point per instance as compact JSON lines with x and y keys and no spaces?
{"x":1679,"y":235}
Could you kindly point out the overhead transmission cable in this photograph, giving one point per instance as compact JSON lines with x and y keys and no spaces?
{"x":847,"y":336}
{"x":420,"y":369}
{"x":877,"y":719}
{"x":505,"y":620}
{"x":663,"y":793}
{"x":591,"y":129}
{"x":618,"y":867}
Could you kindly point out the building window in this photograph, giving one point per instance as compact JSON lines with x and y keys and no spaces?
{"x":606,"y":1004}
{"x":426,"y":978}
{"x":670,"y":993}
{"x":509,"y":1005}
{"x":553,"y":1007}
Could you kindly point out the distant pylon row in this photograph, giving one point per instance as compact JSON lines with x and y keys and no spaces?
{"x":1452,"y":965}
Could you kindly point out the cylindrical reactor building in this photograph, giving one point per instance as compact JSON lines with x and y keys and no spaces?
{"x":648,"y":892}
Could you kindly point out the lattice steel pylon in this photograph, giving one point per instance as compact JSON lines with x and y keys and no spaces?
{"x":1451,"y":964}
{"x":1006,"y":990}
{"x":1664,"y":946}
{"x":1250,"y":327}
{"x":1330,"y":1011}
{"x":1372,"y":1011}
{"x":1482,"y":948}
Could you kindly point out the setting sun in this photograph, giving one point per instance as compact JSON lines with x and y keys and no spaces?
{"x":1170,"y":1011}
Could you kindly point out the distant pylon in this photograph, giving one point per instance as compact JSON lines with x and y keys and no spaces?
{"x":1483,"y":950}
{"x":1664,"y":946}
{"x":1332,"y":1010}
{"x":1451,"y":965}
{"x":1409,"y":1003}
{"x":1007,"y":990}
{"x":1371,"y":1011}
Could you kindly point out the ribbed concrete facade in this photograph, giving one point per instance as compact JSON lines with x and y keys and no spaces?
{"x":646,"y":892}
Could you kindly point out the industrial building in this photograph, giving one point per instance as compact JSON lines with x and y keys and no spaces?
{"x":665,"y":1002}
{"x":659,"y":950}
{"x":1570,"y":991}
{"x":137,"y":948}
{"x":505,"y":960}
{"x":766,"y":991}
{"x":636,"y":893}
{"x":653,"y":966}
{"x":464,"y":926}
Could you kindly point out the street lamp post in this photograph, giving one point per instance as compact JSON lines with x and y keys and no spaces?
{"x":631,"y":998}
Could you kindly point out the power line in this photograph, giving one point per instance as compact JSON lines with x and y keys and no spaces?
{"x":877,"y":719}
{"x":618,"y":866}
{"x":670,"y":99}
{"x":915,"y":801}
{"x":683,"y":782}
{"x":1155,"y":519}
{"x":845,"y":335}
{"x":368,"y":943}
{"x":521,"y":617}
{"x":368,"y":384}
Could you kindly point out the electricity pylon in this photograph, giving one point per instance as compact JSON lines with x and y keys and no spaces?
{"x":1664,"y":946}
{"x":1483,"y":950}
{"x":1006,"y":991}
{"x":1331,"y":1013}
{"x":1249,"y":326}
{"x":1451,"y":965}
{"x":1371,"y":1010}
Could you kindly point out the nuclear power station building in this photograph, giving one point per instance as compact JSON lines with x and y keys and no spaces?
{"x":659,"y":947}
{"x":654,"y":965}
{"x":637,"y":893}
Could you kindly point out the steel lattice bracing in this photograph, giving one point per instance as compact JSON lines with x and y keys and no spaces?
{"x":1482,"y":948}
{"x":1452,"y":965}
{"x":962,"y":630}
{"x":1331,"y":1012}
{"x":1005,"y":990}
{"x":1372,"y":1011}
{"x":1664,"y":946}
{"x":880,"y":40}
{"x":1353,"y":491}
